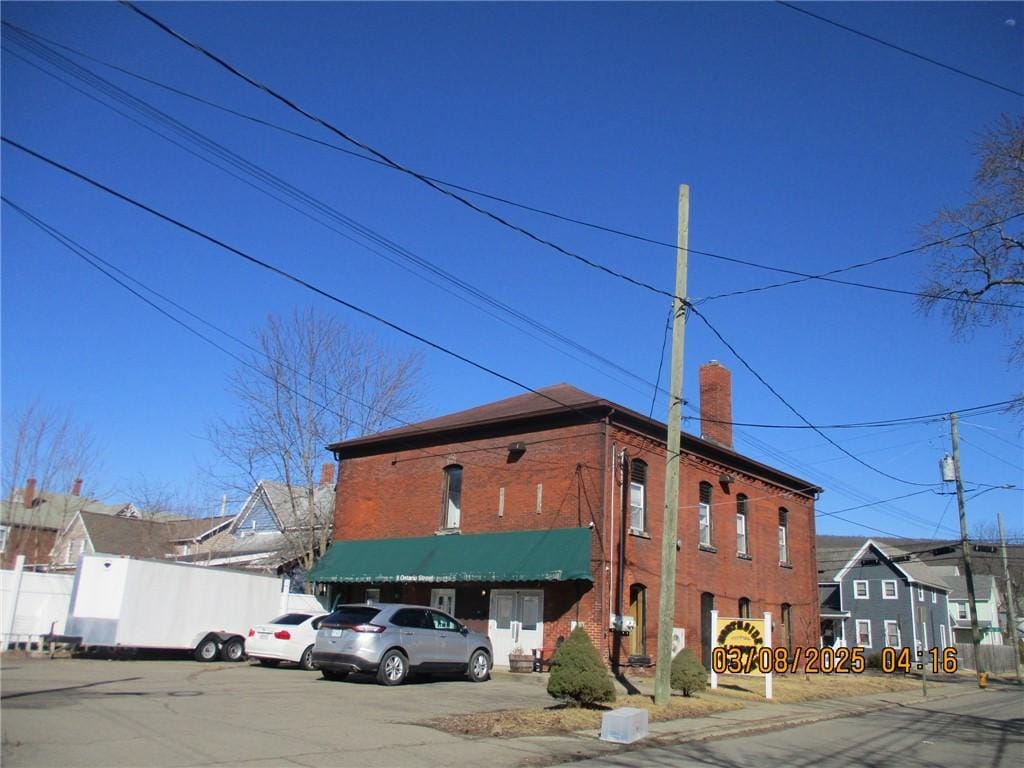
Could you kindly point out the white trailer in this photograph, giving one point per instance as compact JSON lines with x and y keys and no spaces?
{"x":124,"y":603}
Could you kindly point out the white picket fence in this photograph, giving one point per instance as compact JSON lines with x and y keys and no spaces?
{"x":31,"y":605}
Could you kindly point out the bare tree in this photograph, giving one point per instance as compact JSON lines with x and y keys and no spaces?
{"x":48,"y":445}
{"x":314,"y":381}
{"x":977,"y":280}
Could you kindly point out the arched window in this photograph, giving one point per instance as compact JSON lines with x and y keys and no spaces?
{"x":705,"y":515}
{"x":451,"y":510}
{"x":783,"y":536}
{"x":741,"y":525}
{"x":637,"y":495}
{"x":744,"y":608}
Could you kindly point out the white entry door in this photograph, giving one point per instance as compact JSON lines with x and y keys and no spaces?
{"x":516,"y":621}
{"x":443,"y":600}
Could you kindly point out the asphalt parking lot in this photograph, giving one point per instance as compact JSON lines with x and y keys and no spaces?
{"x":89,"y":712}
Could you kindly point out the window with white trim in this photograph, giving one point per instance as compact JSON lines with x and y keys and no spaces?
{"x":962,"y":611}
{"x":860,"y":589}
{"x":3,"y":537}
{"x":783,"y":536}
{"x":889,"y":589}
{"x":452,"y":505}
{"x":892,"y":634}
{"x":637,"y":495}
{"x":705,"y":514}
{"x":864,"y":633}
{"x":920,"y":594}
{"x":935,"y":597}
{"x":942,"y":634}
{"x":741,"y":525}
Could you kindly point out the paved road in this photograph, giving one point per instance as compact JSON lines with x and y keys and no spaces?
{"x":985,"y":728}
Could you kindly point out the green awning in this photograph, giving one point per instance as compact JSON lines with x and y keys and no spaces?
{"x":560,"y":554}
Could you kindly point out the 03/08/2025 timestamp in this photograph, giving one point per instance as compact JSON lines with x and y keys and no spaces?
{"x":762,"y":660}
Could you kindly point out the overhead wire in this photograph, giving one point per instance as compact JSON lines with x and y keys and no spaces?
{"x":266,"y":177}
{"x":788,"y":405}
{"x":899,"y":48}
{"x":283,"y":273}
{"x":107,"y":269}
{"x":428,"y":180}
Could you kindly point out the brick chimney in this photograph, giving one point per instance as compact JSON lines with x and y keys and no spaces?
{"x":716,"y":403}
{"x":30,"y":493}
{"x":76,"y":489}
{"x":327,"y":474}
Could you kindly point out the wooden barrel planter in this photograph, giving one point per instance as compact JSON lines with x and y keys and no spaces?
{"x":520,"y":662}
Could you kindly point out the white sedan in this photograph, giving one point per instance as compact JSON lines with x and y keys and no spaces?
{"x":287,"y":638}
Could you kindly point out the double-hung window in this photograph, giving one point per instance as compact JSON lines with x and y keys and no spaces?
{"x":860,"y":589}
{"x":704,"y":514}
{"x":741,"y":526}
{"x":889,"y":591}
{"x":637,"y":495}
{"x":783,"y":536}
{"x":452,"y":506}
{"x":864,"y":633}
{"x":892,"y":634}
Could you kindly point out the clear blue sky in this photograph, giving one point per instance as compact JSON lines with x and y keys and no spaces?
{"x":805,"y":147}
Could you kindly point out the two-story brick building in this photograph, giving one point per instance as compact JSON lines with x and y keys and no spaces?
{"x":526,"y":516}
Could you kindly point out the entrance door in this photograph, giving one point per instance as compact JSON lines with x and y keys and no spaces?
{"x":443,"y":600}
{"x":516,"y":621}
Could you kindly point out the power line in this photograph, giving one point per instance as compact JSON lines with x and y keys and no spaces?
{"x":899,"y":48}
{"x":285,"y":274}
{"x":905,"y":421}
{"x":785,"y":402}
{"x":826,"y":277}
{"x":270,"y":179}
{"x":392,"y":163}
{"x":106,"y":268}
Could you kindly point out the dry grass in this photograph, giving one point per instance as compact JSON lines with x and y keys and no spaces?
{"x":563,"y":719}
{"x":734,"y":692}
{"x":789,"y":689}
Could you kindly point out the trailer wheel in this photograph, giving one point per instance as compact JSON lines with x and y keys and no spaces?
{"x":233,"y":650}
{"x":206,"y":650}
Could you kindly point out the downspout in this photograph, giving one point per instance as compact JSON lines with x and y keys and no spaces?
{"x":611,"y":533}
{"x":623,"y":512}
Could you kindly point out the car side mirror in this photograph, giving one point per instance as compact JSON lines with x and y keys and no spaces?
{"x":463,"y":630}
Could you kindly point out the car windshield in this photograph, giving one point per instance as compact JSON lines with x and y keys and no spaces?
{"x":291,"y":618}
{"x":351,"y":616}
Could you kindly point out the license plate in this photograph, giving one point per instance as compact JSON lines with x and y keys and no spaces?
{"x":335,"y":633}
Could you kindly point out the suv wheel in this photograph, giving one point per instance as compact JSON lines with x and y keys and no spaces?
{"x":393,"y":668}
{"x":479,"y":668}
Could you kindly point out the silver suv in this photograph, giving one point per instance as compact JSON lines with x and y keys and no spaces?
{"x":394,"y":639}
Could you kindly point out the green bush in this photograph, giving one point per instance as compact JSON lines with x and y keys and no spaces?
{"x":577,"y":673}
{"x":874,"y":661}
{"x":688,"y":674}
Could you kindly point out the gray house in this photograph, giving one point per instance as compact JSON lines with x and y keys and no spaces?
{"x":882,"y":597}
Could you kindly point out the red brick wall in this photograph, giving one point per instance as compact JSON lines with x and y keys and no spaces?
{"x":34,"y":543}
{"x":400,"y":494}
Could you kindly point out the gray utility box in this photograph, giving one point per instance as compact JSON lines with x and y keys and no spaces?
{"x":624,"y":725}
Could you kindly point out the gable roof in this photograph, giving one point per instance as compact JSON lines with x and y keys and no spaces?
{"x":984,"y":587}
{"x":53,"y":511}
{"x":125,"y":536}
{"x":288,"y":505}
{"x":914,"y":571}
{"x":557,"y":405}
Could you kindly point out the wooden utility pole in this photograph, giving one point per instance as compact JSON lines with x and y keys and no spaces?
{"x":1011,"y":608}
{"x":966,"y":547}
{"x":670,"y":519}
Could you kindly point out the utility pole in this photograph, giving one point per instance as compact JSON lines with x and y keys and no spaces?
{"x":670,"y":520}
{"x":965,"y":547}
{"x":1011,"y":609}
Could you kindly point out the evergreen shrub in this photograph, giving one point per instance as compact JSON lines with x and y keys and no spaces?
{"x":577,"y":673}
{"x":688,"y":674}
